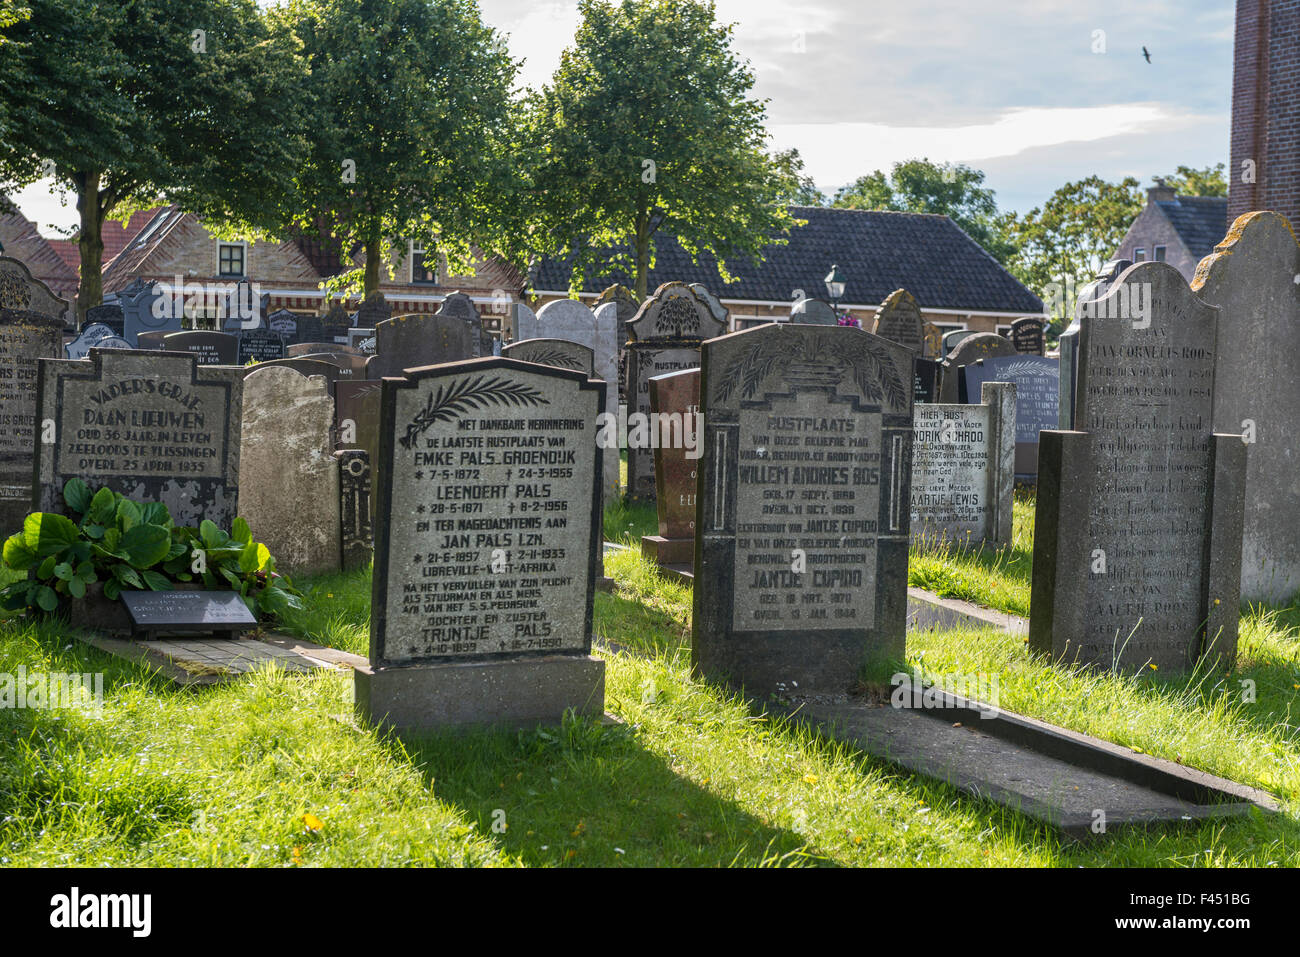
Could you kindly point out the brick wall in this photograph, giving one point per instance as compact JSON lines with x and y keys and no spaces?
{"x":1266,"y":108}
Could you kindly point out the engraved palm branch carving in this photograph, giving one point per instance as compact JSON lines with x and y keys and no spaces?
{"x":452,"y":401}
{"x":873,"y":372}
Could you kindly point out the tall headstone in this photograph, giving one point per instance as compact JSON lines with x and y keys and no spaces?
{"x":963,"y":468}
{"x":933,"y":341}
{"x":334,"y":324}
{"x":814,"y":312}
{"x":899,"y":320}
{"x":289,"y":476}
{"x":146,"y":310}
{"x":1038,"y":393}
{"x":243,"y":309}
{"x":1137,"y":529}
{"x":666,"y":336}
{"x":210,"y":348}
{"x":21,"y":292}
{"x":484,"y":576}
{"x":981,"y":345}
{"x":374,"y":310}
{"x":25,"y":339}
{"x":623,"y":305}
{"x":407,"y":342}
{"x":459,"y":305}
{"x":357,"y":411}
{"x":675,"y":428}
{"x":1253,"y":277}
{"x":803,"y":508}
{"x":285,"y":325}
{"x":155,"y":426}
{"x":1069,"y":346}
{"x":1028,"y":336}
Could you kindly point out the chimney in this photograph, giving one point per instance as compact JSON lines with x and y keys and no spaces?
{"x":1160,"y":193}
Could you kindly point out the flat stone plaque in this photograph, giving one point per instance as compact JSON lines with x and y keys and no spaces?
{"x":162,"y":612}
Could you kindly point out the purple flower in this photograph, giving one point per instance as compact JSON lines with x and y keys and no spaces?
{"x":847,"y":320}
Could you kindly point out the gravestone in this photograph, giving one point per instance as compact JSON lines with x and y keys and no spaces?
{"x":356,"y":527}
{"x":21,"y":292}
{"x":814,"y":312}
{"x":1038,"y":393}
{"x":560,"y":353}
{"x":259,"y":345}
{"x":665,"y":337}
{"x":981,"y":345}
{"x":157,"y":427}
{"x":716,"y":308}
{"x":1069,"y":345}
{"x":374,"y":310}
{"x":353,"y":366}
{"x":90,"y":337}
{"x":933,"y":341}
{"x":107,"y":314}
{"x":146,"y":310}
{"x":363,"y":340}
{"x":329,"y":371}
{"x":623,"y":305}
{"x":25,"y":339}
{"x":151,"y":341}
{"x":927,"y":379}
{"x":357,"y":411}
{"x":963,"y":472}
{"x":899,"y":320}
{"x":285,"y":325}
{"x":408,"y":342}
{"x":243,"y":310}
{"x":802,"y":519}
{"x":288,"y":474}
{"x":571,"y":320}
{"x":299,"y":349}
{"x":952,"y":339}
{"x":1137,"y":529}
{"x":210,"y":348}
{"x":484,"y":575}
{"x":112,"y":342}
{"x":1252,"y":277}
{"x":676,"y":396}
{"x":334,"y":325}
{"x":1027,"y":335}
{"x":179,"y":612}
{"x":459,"y":305}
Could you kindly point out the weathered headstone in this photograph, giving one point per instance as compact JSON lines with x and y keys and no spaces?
{"x":676,"y":428}
{"x":981,"y":345}
{"x":284,"y":324}
{"x":407,"y":342}
{"x":484,"y":577}
{"x":814,"y":312}
{"x":299,"y":349}
{"x":624,"y":305}
{"x":459,"y":305}
{"x":933,"y":341}
{"x":803,"y":509}
{"x":1027,"y":335}
{"x":25,"y":339}
{"x":963,"y":468}
{"x":1137,"y":531}
{"x":21,"y":292}
{"x":560,"y":353}
{"x":357,"y":411}
{"x":210,"y":348}
{"x":666,"y":336}
{"x":153,"y":426}
{"x":1069,"y":345}
{"x":334,"y":324}
{"x":374,"y":310}
{"x":355,"y":523}
{"x":1254,"y":277}
{"x":289,"y":476}
{"x":716,"y":308}
{"x":899,"y":320}
{"x":331,"y":372}
{"x":1038,"y":393}
{"x":952,"y":339}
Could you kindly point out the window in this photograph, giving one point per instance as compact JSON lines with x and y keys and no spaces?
{"x":1158,"y":254}
{"x":230,"y":259}
{"x":1140,"y":255}
{"x":421,"y":274}
{"x":1004,"y":331}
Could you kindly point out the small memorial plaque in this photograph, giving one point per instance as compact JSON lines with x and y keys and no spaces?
{"x":167,"y":612}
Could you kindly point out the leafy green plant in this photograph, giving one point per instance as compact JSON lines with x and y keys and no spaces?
{"x":135,"y":545}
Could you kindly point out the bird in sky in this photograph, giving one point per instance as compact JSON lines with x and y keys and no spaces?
{"x":1146,"y":53}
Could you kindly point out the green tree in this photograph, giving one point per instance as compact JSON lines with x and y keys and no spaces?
{"x":799,"y":190}
{"x":919,"y":186}
{"x":647,"y":126}
{"x":128,"y":104}
{"x":413,"y":136}
{"x":1062,"y":244}
{"x":1206,"y":181}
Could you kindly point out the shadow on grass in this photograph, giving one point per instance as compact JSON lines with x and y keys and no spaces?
{"x":623,"y":623}
{"x":588,"y":794}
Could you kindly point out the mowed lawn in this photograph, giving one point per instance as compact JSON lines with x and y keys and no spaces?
{"x":273,"y":771}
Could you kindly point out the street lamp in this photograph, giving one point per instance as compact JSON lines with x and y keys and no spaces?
{"x":835,"y":286}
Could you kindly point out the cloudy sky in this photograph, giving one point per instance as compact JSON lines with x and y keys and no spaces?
{"x":1012,"y":87}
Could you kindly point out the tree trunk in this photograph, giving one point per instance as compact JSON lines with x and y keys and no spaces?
{"x":374,"y":250}
{"x":90,"y":242}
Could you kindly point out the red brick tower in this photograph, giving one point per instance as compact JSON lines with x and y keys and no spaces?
{"x":1266,"y":109}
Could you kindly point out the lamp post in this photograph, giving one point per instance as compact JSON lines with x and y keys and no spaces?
{"x":835,"y":287}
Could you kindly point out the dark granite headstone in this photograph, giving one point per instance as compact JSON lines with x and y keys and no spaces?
{"x":363,"y":340}
{"x":665,"y":337}
{"x":334,"y":325}
{"x":927,"y":379}
{"x":1027,"y":335}
{"x":1254,"y":276}
{"x":1138,"y":524}
{"x":407,"y":342}
{"x":355,"y":520}
{"x":560,"y":353}
{"x":356,"y":404}
{"x":151,"y":341}
{"x":284,"y":324}
{"x":487,"y":531}
{"x":156,"y":427}
{"x":187,"y":612}
{"x":676,"y":429}
{"x":1038,"y":392}
{"x":107,"y":314}
{"x":802,"y":520}
{"x":373,"y":311}
{"x":211,"y":348}
{"x":25,"y":339}
{"x":982,"y":345}
{"x":259,"y":345}
{"x":899,"y":320}
{"x":814,"y":312}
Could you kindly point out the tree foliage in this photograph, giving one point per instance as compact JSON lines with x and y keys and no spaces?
{"x":648,"y":125}
{"x":411,"y":101}
{"x":799,"y":188}
{"x":1203,"y":181}
{"x":137,"y":102}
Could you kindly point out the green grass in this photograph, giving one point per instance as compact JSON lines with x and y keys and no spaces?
{"x":224,"y":776}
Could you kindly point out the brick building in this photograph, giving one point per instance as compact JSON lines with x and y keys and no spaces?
{"x":1265,"y":148}
{"x":1179,"y":230}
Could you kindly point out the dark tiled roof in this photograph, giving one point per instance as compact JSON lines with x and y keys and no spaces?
{"x":1200,"y":221}
{"x":878,"y":252}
